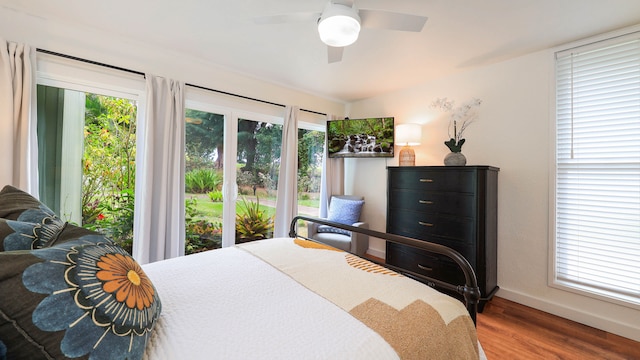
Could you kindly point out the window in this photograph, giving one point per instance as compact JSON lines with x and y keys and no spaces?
{"x":597,"y":170}
{"x":255,"y":162}
{"x":204,"y":163}
{"x":86,"y":143}
{"x":87,"y":159}
{"x":86,"y":133}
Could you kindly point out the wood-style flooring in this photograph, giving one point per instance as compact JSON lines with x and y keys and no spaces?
{"x":508,"y":330}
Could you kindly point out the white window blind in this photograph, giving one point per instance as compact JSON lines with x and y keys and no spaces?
{"x":597,"y":225}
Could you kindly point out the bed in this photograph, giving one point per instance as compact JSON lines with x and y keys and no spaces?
{"x":67,"y":292}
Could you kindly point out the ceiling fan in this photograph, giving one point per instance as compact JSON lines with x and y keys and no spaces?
{"x":340,"y":22}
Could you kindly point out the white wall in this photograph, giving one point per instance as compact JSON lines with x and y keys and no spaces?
{"x":512,"y":133}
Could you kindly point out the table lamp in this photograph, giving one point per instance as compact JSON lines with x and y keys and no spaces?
{"x":408,"y":135}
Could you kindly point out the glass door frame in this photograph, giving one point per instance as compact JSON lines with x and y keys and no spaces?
{"x":229,"y":183}
{"x":231,"y":154}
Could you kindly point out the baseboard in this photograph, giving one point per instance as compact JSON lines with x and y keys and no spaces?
{"x":377,"y":253}
{"x":625,"y":330}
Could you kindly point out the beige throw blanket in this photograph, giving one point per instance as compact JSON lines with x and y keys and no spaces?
{"x":416,"y":320}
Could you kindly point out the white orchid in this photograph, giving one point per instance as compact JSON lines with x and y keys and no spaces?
{"x":460,"y":118}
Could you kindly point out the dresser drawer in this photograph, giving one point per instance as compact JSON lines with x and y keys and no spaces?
{"x":457,"y":204}
{"x":458,"y":231}
{"x":433,"y":180}
{"x":464,"y":247}
{"x":425,"y":263}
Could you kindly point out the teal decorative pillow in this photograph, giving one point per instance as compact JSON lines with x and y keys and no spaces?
{"x":84,"y":298}
{"x":343,"y":211}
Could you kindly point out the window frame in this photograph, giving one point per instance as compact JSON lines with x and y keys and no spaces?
{"x":552,"y":279}
{"x":80,"y":77}
{"x":72,"y":74}
{"x":234,"y":109}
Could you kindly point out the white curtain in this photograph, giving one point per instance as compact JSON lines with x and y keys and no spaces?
{"x":159,"y":223}
{"x":287,"y":201}
{"x":332,"y":179}
{"x":18,"y":141}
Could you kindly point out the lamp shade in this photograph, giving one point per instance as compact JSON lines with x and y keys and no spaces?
{"x":339,"y":25}
{"x":408,"y":134}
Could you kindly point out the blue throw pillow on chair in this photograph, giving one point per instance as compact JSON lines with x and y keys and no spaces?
{"x":343,"y":211}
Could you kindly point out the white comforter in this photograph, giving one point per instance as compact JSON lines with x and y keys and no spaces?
{"x":228,"y":304}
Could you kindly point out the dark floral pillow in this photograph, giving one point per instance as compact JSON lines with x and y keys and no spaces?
{"x":84,"y":298}
{"x":13,"y":202}
{"x":25,"y":223}
{"x":21,"y":235}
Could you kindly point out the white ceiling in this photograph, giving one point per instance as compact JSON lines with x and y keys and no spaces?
{"x":459,"y":35}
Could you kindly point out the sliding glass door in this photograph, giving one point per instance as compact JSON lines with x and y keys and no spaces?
{"x":258,"y":163}
{"x":87,"y":147}
{"x":204,"y":175}
{"x":231,"y":176}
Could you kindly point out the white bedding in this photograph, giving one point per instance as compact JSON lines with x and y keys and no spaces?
{"x":292,"y":299}
{"x":229,"y":305}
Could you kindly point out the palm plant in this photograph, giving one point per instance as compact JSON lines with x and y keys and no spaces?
{"x":252,"y":223}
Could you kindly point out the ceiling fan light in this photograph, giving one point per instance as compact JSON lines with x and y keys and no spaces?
{"x":339,"y":25}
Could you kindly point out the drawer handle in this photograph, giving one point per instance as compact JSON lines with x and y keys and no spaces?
{"x":426,"y":180}
{"x":425,"y":224}
{"x":428,"y":202}
{"x":425,"y":268}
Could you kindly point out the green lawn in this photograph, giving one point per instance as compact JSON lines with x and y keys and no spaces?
{"x":212,"y":211}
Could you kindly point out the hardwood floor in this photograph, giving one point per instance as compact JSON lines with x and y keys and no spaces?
{"x":508,"y":330}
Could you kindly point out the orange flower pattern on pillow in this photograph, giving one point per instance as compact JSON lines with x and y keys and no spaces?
{"x":97,"y":294}
{"x":122,"y":275}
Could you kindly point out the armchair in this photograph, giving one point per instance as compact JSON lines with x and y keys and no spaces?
{"x":344,"y":209}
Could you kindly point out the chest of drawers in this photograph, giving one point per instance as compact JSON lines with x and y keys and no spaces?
{"x":454,"y":206}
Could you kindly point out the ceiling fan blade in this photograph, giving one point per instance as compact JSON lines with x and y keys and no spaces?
{"x":390,"y":20}
{"x":335,"y":54}
{"x":287,"y":18}
{"x":348,"y":3}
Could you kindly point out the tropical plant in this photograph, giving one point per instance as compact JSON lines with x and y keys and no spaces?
{"x":202,"y":181}
{"x":200,"y":234}
{"x":109,"y":167}
{"x":215,"y":196}
{"x":252,"y":223}
{"x":115,"y":219}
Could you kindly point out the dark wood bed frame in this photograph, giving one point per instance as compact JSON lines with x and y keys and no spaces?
{"x":470,"y":290}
